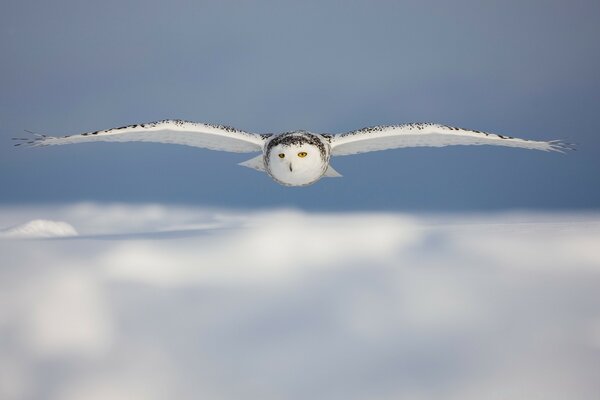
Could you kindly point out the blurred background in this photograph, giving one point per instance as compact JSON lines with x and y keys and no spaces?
{"x":145,"y":271}
{"x":155,"y":302}
{"x":522,"y":68}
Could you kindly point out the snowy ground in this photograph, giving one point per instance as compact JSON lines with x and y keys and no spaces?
{"x":152,"y":302}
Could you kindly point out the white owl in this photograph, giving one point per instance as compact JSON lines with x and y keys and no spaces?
{"x":296,"y":158}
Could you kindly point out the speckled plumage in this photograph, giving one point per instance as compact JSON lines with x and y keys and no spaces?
{"x":295,"y":158}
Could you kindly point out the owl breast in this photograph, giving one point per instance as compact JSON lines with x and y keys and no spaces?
{"x":297,"y":158}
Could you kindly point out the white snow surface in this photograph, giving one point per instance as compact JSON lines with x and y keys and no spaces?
{"x":159,"y":302}
{"x":39,"y":228}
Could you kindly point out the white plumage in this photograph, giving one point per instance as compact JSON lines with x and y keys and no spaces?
{"x":295,"y":158}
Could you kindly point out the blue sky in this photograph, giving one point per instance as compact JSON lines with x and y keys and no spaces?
{"x":524,"y":68}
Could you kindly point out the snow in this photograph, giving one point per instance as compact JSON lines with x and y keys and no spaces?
{"x":154,"y":302}
{"x":39,"y":228}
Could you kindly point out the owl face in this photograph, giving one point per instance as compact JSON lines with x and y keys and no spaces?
{"x":296,"y":162}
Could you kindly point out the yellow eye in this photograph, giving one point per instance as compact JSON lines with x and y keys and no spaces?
{"x":302,"y":154}
{"x":281,"y":155}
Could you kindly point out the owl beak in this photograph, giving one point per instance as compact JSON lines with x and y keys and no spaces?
{"x":291,"y":167}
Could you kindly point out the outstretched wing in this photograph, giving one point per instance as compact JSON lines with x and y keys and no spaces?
{"x":214,"y":137}
{"x":426,"y":134}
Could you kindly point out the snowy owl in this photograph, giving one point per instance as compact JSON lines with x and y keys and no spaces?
{"x":295,"y":158}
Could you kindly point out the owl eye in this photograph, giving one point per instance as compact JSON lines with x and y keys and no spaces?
{"x":302,"y":154}
{"x":281,"y":155}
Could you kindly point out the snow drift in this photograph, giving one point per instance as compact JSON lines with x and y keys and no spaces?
{"x":39,"y":228}
{"x":151,"y":302}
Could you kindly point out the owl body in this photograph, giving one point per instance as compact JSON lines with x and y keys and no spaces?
{"x":296,"y":158}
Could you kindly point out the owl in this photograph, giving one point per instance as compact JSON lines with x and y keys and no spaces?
{"x":296,"y":158}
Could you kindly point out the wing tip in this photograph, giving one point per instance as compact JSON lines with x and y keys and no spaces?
{"x":560,"y":146}
{"x":38,"y":140}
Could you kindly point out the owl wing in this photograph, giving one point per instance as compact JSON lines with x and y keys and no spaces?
{"x":426,"y":134}
{"x":214,"y":137}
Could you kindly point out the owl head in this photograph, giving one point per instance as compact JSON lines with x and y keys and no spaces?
{"x":296,"y":158}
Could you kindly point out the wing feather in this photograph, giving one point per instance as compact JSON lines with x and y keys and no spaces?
{"x":214,"y":137}
{"x":427,"y":134}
